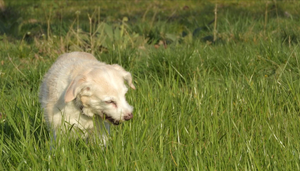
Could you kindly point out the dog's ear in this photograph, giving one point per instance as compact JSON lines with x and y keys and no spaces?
{"x":126,"y":75}
{"x":128,"y":78}
{"x":75,"y":87}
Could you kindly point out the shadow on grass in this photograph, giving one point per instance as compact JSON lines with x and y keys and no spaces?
{"x":156,"y":22}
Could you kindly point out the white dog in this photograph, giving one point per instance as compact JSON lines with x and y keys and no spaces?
{"x":79,"y":92}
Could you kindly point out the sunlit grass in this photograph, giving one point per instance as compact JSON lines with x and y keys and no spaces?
{"x":232,"y":104}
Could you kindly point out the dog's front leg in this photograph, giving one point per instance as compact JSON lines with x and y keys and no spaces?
{"x":105,"y":132}
{"x":107,"y":128}
{"x":52,"y":140}
{"x":102,"y":132}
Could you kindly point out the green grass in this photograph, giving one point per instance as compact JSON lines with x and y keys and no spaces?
{"x":232,"y":104}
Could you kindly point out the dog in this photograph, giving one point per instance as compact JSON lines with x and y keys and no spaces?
{"x":81,"y":93}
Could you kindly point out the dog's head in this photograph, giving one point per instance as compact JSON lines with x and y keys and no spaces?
{"x":101,"y":91}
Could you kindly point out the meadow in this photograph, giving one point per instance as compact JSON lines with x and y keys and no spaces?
{"x":217,"y":83}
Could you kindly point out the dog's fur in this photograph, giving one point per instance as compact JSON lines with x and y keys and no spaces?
{"x":85,"y":94}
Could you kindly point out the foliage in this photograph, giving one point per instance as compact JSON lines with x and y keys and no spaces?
{"x":229,"y":102}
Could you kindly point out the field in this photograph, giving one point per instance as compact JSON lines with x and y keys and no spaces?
{"x":217,"y":83}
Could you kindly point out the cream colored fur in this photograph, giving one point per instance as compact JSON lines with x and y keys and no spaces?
{"x":79,"y":92}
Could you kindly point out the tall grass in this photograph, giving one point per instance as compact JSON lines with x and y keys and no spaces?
{"x":229,"y":104}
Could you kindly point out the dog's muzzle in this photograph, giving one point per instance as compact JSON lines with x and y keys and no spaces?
{"x":117,"y":122}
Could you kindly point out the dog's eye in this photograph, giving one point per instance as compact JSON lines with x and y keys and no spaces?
{"x":111,"y":102}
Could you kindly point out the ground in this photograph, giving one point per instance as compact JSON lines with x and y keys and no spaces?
{"x":217,"y":83}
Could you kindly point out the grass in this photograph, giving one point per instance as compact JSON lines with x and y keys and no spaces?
{"x":229,"y":104}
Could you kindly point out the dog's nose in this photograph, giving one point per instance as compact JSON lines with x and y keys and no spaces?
{"x":128,"y":116}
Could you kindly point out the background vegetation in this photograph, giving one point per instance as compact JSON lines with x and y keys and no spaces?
{"x":217,"y":83}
